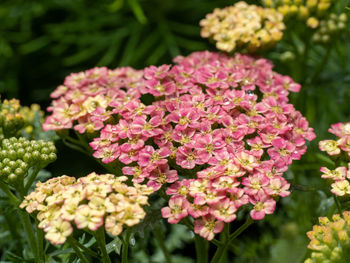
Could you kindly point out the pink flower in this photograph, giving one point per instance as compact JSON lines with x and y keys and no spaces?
{"x":224,"y":211}
{"x":176,"y":210}
{"x":263,"y":205}
{"x":207,"y":226}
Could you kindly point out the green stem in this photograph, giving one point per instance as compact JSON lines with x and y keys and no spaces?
{"x":202,"y":247}
{"x":158,"y":234}
{"x":222,"y":249}
{"x":73,"y":244}
{"x":337,"y":203}
{"x":31,"y":179}
{"x":125,"y":248}
{"x":40,"y":242}
{"x":101,"y":241}
{"x":28,"y":228}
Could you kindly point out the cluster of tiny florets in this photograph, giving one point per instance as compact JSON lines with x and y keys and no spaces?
{"x":221,"y":124}
{"x":17,"y":155}
{"x":244,"y":26}
{"x":340,"y":176}
{"x":89,"y":202}
{"x":83,"y":101}
{"x":330,"y":241}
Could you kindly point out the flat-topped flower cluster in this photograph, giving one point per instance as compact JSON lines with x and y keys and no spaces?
{"x":339,"y":148}
{"x":243,"y":26}
{"x":329,"y":241}
{"x":219,"y":129}
{"x":89,"y":202}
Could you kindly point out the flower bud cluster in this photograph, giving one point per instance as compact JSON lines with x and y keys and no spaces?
{"x":221,"y":124}
{"x":89,"y":203}
{"x":83,"y":101}
{"x":303,"y":9}
{"x":336,"y":148}
{"x":330,"y":240}
{"x":243,"y":26}
{"x":17,"y":155}
{"x":16,"y":120}
{"x":329,"y":27}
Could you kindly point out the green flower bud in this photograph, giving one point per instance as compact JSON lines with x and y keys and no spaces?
{"x":12,"y":154}
{"x":27,"y":157}
{"x":12,"y":177}
{"x":19,"y":172}
{"x":52,"y":157}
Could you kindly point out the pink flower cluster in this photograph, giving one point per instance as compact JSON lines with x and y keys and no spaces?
{"x":341,"y":175}
{"x":219,"y":130}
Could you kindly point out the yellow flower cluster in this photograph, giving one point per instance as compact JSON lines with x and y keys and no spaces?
{"x":243,"y":26}
{"x":303,"y":9}
{"x":29,"y":114}
{"x":89,"y":202}
{"x":330,"y":241}
{"x":15,"y":118}
{"x":11,"y":120}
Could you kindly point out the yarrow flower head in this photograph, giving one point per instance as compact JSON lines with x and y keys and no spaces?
{"x":329,"y":241}
{"x":244,"y":26}
{"x":217,"y":131}
{"x":89,"y":202}
{"x":219,"y":134}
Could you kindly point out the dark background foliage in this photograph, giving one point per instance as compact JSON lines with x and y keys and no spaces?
{"x":43,"y":41}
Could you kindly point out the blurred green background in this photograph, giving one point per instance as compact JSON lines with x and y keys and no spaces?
{"x":43,"y":41}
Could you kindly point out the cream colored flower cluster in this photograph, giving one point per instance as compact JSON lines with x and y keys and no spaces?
{"x":330,"y":241}
{"x":244,"y":26}
{"x":89,"y":202}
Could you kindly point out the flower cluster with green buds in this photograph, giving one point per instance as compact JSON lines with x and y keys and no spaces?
{"x":330,"y":241}
{"x":89,"y":202}
{"x":17,"y":155}
{"x":330,"y":27}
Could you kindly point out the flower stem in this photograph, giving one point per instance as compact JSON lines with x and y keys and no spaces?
{"x":73,"y":243}
{"x":228,"y":239}
{"x":28,"y":229}
{"x":125,"y":248}
{"x":101,"y":241}
{"x":337,"y":203}
{"x":158,"y":234}
{"x":202,"y":247}
{"x":31,"y":179}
